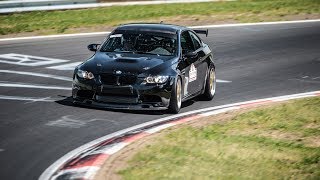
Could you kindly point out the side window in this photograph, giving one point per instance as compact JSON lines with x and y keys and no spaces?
{"x":196,"y":40}
{"x":186,"y":43}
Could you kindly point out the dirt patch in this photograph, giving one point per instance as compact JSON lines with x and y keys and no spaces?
{"x":312,"y":126}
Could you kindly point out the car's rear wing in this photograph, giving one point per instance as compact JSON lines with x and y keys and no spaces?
{"x":201,"y":32}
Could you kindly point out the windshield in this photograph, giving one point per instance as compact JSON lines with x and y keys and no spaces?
{"x":160,"y":44}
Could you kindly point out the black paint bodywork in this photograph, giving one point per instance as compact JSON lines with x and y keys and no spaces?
{"x":127,"y":90}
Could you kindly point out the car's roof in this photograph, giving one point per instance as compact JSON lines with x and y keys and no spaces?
{"x":152,"y":27}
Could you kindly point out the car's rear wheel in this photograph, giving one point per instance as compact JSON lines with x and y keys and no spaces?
{"x":210,"y":85}
{"x":176,"y":97}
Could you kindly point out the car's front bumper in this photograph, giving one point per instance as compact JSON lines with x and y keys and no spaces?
{"x":135,"y":97}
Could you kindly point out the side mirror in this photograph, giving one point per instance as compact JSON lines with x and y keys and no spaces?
{"x":93,"y":47}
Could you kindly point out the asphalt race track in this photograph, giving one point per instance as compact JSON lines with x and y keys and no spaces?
{"x":38,"y":123}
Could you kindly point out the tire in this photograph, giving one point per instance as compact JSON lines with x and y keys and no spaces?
{"x":176,"y":97}
{"x":210,"y":88}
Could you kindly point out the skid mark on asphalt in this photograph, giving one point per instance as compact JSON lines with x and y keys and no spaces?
{"x":37,"y":75}
{"x":71,"y":121}
{"x":308,"y":79}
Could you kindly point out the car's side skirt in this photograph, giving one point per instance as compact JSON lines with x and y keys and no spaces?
{"x":186,"y":98}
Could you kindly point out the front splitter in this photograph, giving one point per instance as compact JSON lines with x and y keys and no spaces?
{"x":102,"y":105}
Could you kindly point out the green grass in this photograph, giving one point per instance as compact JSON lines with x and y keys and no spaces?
{"x":277,"y":142}
{"x":240,"y":11}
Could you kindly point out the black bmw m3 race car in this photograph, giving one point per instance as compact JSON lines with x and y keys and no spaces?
{"x":146,"y":66}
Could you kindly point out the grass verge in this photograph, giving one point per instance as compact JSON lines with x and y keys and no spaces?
{"x":96,"y":19}
{"x":280,"y":141}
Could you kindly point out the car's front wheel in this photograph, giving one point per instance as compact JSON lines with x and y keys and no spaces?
{"x":210,"y":84}
{"x":176,"y":97}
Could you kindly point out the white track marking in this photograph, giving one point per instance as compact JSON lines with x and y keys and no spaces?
{"x":69,"y":66}
{"x":219,"y":111}
{"x":56,"y":36}
{"x":223,"y":81}
{"x":20,"y":98}
{"x":1,"y":150}
{"x":159,"y":128}
{"x":285,"y":98}
{"x":37,"y":74}
{"x":88,"y":171}
{"x":67,"y":122}
{"x":56,"y":165}
{"x":72,"y":122}
{"x":115,"y":148}
{"x":27,"y":60}
{"x":204,"y":26}
{"x":35,"y":86}
{"x":112,"y":148}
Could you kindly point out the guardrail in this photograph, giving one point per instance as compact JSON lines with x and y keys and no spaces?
{"x":46,"y":5}
{"x":33,"y":3}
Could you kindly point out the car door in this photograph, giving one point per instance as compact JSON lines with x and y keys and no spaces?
{"x":185,"y":63}
{"x":200,"y":63}
{"x":193,"y":74}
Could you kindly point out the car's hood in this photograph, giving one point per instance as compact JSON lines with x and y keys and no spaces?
{"x":103,"y":62}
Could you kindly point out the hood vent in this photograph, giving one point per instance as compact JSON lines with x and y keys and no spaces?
{"x":127,"y":60}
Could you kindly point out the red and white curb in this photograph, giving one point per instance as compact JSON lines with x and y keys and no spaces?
{"x":85,"y":161}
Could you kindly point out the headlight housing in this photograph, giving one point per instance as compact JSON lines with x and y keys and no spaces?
{"x":85,"y":74}
{"x":156,"y":79}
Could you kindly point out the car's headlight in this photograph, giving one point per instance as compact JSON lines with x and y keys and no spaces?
{"x":156,"y":79}
{"x":85,"y":74}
